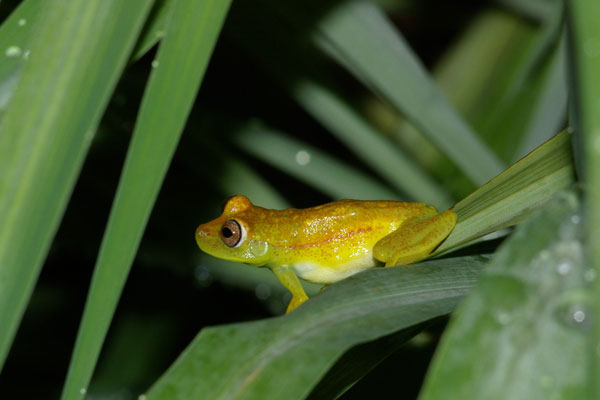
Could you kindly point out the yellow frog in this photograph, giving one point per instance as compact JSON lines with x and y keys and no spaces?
{"x":327,"y":243}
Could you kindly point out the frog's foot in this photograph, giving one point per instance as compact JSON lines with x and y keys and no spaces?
{"x":295,"y":303}
{"x":414,"y":240}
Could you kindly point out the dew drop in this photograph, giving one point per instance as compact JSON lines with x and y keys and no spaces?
{"x":22,"y":22}
{"x":26,"y":55}
{"x":142,"y":397}
{"x":574,"y":313}
{"x":13,"y":51}
{"x":154,"y":64}
{"x":575,"y":219}
{"x":83,"y":390}
{"x":579,"y":316}
{"x":302,"y":157}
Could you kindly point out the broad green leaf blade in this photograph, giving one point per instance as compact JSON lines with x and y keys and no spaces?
{"x":523,"y":333}
{"x":512,"y":196}
{"x":284,"y":357}
{"x":78,"y":51}
{"x":15,"y":39}
{"x":585,"y":49}
{"x":360,"y":37}
{"x":370,"y":145}
{"x":311,"y":165}
{"x":182,"y":60}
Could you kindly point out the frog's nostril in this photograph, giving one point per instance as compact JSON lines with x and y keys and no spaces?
{"x":200,"y":232}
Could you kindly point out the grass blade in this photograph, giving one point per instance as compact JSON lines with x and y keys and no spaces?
{"x":523,"y":331}
{"x":370,"y":145}
{"x":379,"y":57}
{"x":182,"y":60}
{"x":251,"y":360}
{"x":75,"y":61}
{"x":311,"y":165}
{"x":513,"y":195}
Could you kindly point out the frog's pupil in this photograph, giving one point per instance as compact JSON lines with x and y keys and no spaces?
{"x":227,"y":232}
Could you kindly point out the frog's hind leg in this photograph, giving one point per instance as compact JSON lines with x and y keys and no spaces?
{"x":414,"y":240}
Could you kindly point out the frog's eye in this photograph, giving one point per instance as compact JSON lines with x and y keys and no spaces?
{"x":232,"y":233}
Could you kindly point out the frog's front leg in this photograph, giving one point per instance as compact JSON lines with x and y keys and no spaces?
{"x":288,"y":278}
{"x":414,"y":239}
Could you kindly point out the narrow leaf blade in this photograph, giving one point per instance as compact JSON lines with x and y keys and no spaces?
{"x":311,"y":165}
{"x":383,"y":61}
{"x":512,"y":196}
{"x":46,"y":131}
{"x":182,"y":60}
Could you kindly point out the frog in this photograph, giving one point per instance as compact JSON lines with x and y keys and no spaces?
{"x":326,"y":243}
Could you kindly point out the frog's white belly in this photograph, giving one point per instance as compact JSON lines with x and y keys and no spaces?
{"x":316,"y":273}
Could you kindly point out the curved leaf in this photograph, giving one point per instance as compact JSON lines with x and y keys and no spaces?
{"x":516,"y":193}
{"x":524,"y":331}
{"x":284,"y":357}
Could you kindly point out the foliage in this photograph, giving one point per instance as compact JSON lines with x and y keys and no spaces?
{"x":303,"y":102}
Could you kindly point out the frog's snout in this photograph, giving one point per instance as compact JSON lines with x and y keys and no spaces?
{"x":201,"y":234}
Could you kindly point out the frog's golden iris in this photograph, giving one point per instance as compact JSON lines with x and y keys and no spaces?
{"x":326,"y":243}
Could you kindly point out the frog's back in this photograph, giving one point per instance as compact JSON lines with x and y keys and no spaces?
{"x":334,"y":240}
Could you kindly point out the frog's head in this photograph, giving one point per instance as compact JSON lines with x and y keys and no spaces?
{"x":230,"y":236}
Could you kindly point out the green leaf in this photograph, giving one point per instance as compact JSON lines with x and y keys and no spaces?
{"x":585,"y":52}
{"x":15,"y":40}
{"x":252,"y":360}
{"x":307,"y":163}
{"x":154,"y":30}
{"x":77,"y":53}
{"x":182,"y":60}
{"x":386,"y":159}
{"x":523,"y":333}
{"x":515,"y":194}
{"x":361,"y":38}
